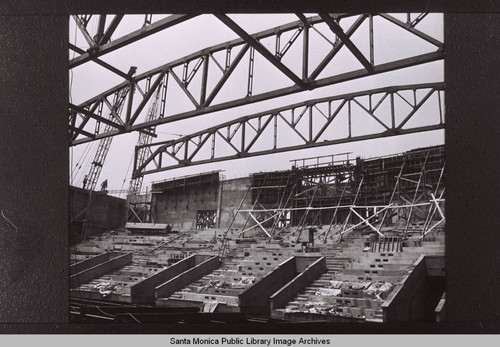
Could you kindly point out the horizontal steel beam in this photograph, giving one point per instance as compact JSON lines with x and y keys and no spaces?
{"x":185,"y":149}
{"x":382,"y":68}
{"x":295,"y":148}
{"x":210,"y":50}
{"x":132,"y":37}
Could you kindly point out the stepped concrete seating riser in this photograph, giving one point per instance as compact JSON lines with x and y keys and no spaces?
{"x":368,"y":277}
{"x":139,"y":269}
{"x":218,"y":291}
{"x":378,"y":260}
{"x":196,"y":245}
{"x":376,"y":272}
{"x":230,"y":275}
{"x":325,"y":283}
{"x":229,"y":300}
{"x":97,"y":296}
{"x":354,"y":312}
{"x":345,"y":301}
{"x":89,"y":249}
{"x":80,"y":257}
{"x":355,"y":293}
{"x":380,"y":266}
{"x":262,"y":261}
{"x":407,"y":252}
{"x":121,"y":278}
{"x":126,"y":273}
{"x":311,"y":317}
{"x":224,"y":277}
{"x":257,"y":268}
{"x":123,"y":290}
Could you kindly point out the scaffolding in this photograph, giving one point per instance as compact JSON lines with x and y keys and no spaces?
{"x":400,"y":194}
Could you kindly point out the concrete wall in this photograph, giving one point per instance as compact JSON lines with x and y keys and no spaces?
{"x":99,"y":270}
{"x":200,"y":266}
{"x":406,"y":301}
{"x":91,"y":262}
{"x":435,"y":265}
{"x":308,"y":274}
{"x":256,"y":298}
{"x":440,"y":309}
{"x":233,"y":192}
{"x":179,"y":207}
{"x":104,"y":212}
{"x":144,"y":291}
{"x":303,"y":262}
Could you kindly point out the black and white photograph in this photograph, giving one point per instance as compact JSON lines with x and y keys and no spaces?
{"x":262,"y":167}
{"x":262,"y":178}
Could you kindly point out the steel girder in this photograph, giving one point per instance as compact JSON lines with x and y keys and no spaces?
{"x":100,"y":45}
{"x":202,"y":75}
{"x":392,"y":111}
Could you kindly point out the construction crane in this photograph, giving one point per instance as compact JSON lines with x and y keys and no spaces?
{"x":104,"y":144}
{"x":145,"y":138}
{"x":140,"y":206}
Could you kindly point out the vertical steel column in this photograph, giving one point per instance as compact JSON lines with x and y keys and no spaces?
{"x":251,"y":60}
{"x":163,"y":102}
{"x":275,"y":140}
{"x":393,"y":114}
{"x":310,"y":123}
{"x":130,"y":102}
{"x":372,"y":49}
{"x":349,"y":117}
{"x":305,"y":52}
{"x":243,"y":130}
{"x":204,"y":78}
{"x":440,"y":108}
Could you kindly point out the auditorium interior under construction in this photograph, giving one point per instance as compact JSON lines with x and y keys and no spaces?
{"x":332,"y":238}
{"x":350,"y":236}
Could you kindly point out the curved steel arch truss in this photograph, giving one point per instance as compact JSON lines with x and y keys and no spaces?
{"x":352,"y":117}
{"x":201,"y":75}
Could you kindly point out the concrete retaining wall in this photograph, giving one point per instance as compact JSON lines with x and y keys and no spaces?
{"x":99,"y":270}
{"x":406,"y":301}
{"x":232,"y":194}
{"x":206,"y":265}
{"x":179,"y":207}
{"x":440,"y":310}
{"x":91,"y":262}
{"x":307,"y":276}
{"x":144,"y":291}
{"x":256,"y":298}
{"x":435,"y":266}
{"x":419,"y":294}
{"x":103,"y":213}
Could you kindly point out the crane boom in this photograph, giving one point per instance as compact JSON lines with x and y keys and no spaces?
{"x":145,"y":139}
{"x":105,"y":144}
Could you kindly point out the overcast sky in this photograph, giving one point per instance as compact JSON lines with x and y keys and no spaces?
{"x":391,"y":43}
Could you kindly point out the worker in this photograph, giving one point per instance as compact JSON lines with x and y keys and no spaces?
{"x":104,"y":184}
{"x":85,"y":180}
